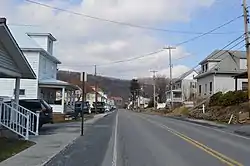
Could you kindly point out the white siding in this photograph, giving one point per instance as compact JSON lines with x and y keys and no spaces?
{"x":191,"y":76}
{"x":31,"y":86}
{"x":224,"y":83}
{"x":7,"y":87}
{"x":33,"y":59}
{"x":47,"y":68}
{"x":243,"y":64}
{"x":211,"y":65}
{"x":41,"y":41}
{"x":6,"y":60}
{"x":205,"y":81}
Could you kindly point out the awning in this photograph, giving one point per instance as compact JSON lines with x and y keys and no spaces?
{"x":57,"y":83}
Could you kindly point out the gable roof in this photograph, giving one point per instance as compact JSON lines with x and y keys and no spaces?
{"x":26,"y":43}
{"x":15,"y":52}
{"x":184,"y":75}
{"x":217,"y":55}
{"x":43,"y":34}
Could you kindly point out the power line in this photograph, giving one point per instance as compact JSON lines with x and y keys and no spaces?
{"x":208,"y":32}
{"x":124,"y":60}
{"x":137,"y":26}
{"x":143,"y":56}
{"x":223,"y":49}
{"x":122,"y":23}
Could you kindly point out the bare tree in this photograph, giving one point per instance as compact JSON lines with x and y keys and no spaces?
{"x":161,"y":83}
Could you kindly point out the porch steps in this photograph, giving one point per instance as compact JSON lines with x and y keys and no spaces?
{"x":19,"y":120}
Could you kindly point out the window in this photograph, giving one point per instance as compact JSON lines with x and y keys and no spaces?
{"x":206,"y":67}
{"x":244,"y":86}
{"x":21,"y":92}
{"x":203,"y":68}
{"x":205,"y":89}
{"x":243,"y":64}
{"x":199,"y":89}
{"x":210,"y":87}
{"x":193,"y":85}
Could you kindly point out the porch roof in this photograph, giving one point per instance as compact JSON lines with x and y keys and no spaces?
{"x":55,"y":82}
{"x":16,"y":58}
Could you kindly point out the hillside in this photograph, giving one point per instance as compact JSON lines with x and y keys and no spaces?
{"x":112,"y":86}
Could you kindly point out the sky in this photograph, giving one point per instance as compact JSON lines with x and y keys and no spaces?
{"x":83,"y":42}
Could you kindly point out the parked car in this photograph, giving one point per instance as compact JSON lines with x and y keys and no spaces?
{"x":107,"y":108}
{"x":86,"y":107}
{"x":100,"y":107}
{"x":38,"y":105}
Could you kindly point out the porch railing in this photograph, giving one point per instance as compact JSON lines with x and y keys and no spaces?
{"x":14,"y":120}
{"x":33,"y":117}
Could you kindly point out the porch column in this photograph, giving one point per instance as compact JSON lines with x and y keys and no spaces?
{"x":17,"y":90}
{"x":67,"y":97}
{"x":63,"y":99}
{"x":236,"y":83}
{"x":74,"y":98}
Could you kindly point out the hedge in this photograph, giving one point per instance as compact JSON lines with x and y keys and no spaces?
{"x":229,"y":98}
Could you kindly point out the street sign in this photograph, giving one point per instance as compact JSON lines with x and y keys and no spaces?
{"x":85,"y":77}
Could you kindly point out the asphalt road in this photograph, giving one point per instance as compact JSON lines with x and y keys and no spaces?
{"x":133,"y":139}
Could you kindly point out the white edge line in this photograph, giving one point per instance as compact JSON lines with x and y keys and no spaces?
{"x":114,"y":161}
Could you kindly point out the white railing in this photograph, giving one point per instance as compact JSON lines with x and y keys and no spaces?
{"x":18,"y":119}
{"x":33,"y":122}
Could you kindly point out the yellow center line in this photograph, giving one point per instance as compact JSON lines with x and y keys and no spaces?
{"x":197,"y":144}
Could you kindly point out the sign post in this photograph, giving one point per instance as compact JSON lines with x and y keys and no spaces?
{"x":83,"y":100}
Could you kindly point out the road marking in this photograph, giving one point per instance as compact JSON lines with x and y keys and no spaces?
{"x":218,"y":130}
{"x":197,"y":144}
{"x":115,"y":142}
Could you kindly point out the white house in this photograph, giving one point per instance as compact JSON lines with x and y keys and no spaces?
{"x":217,"y":71}
{"x":13,"y":67}
{"x":38,"y":50}
{"x":184,"y":87}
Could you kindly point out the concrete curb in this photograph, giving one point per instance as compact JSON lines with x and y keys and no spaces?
{"x":93,"y":120}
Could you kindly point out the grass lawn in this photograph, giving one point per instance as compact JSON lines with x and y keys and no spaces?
{"x":10,"y":147}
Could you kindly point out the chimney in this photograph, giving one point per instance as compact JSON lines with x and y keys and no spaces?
{"x":3,"y":20}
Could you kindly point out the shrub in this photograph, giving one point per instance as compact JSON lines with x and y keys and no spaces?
{"x":214,"y":99}
{"x":229,"y":98}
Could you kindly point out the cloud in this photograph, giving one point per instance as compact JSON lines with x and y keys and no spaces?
{"x":83,"y":41}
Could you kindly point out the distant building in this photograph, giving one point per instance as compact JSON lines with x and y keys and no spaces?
{"x":184,"y":87}
{"x":118,"y":101}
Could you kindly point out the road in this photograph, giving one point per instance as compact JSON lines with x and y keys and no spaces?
{"x":125,"y":138}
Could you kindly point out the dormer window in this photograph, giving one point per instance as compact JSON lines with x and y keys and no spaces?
{"x":205,"y":67}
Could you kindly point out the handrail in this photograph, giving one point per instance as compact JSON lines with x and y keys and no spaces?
{"x":33,"y":122}
{"x":14,"y":120}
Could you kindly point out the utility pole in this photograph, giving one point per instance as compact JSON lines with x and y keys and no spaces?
{"x":169,"y":48}
{"x":96,"y":91}
{"x":246,"y":22}
{"x":154,"y":72}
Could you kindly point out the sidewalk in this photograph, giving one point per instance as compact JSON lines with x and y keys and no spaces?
{"x":53,"y":139}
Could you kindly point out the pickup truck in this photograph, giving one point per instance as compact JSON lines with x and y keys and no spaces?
{"x":86,"y":107}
